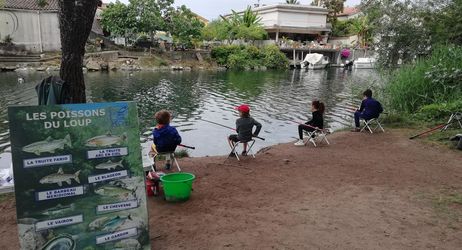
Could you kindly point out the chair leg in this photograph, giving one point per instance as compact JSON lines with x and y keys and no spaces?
{"x":380,"y":126}
{"x":368,"y":126}
{"x":175,"y":161}
{"x":234,"y":151}
{"x":324,"y":138}
{"x":249,"y":150}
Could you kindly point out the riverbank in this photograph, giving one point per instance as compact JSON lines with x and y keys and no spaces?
{"x":115,"y":61}
{"x":379,"y":191}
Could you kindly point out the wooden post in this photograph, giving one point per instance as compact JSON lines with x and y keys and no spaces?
{"x":295,"y":63}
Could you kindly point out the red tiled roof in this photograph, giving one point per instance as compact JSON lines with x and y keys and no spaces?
{"x":29,"y":5}
{"x":348,"y":11}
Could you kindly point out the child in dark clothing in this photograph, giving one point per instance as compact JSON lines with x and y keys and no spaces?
{"x":317,"y":121}
{"x":244,"y":126}
{"x":370,"y":108}
{"x":165,"y":137}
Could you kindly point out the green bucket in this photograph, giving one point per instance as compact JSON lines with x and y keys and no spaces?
{"x":177,"y":186}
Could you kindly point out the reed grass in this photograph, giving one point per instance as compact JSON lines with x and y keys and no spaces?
{"x":435,"y":80}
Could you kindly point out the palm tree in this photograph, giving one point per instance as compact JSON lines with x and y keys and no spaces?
{"x":292,"y":2}
{"x":360,"y":26}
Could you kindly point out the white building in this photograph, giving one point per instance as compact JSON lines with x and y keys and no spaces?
{"x":294,"y":21}
{"x":35,"y":27}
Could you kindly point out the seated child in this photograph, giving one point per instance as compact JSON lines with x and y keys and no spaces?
{"x":370,"y":108}
{"x":165,"y":137}
{"x":317,"y":121}
{"x":244,"y":126}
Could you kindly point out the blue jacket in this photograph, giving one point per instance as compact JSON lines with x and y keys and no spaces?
{"x":371,"y":108}
{"x":166,"y":138}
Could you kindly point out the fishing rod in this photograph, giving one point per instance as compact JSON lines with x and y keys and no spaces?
{"x":261,"y":138}
{"x":433,"y":129}
{"x":181,"y":145}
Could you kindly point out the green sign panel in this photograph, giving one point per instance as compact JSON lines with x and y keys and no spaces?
{"x":79,"y":181}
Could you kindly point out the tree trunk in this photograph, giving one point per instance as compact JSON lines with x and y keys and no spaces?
{"x":75,"y":22}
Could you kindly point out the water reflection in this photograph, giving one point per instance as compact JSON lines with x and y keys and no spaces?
{"x":276,"y":99}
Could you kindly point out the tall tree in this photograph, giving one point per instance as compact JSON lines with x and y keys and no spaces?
{"x":444,"y":20}
{"x":150,"y":14}
{"x":333,"y":6}
{"x":360,"y":26}
{"x":119,"y":20}
{"x":75,"y":22}
{"x":184,"y":25}
{"x":398,"y":30}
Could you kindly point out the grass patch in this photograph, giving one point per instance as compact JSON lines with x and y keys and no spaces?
{"x":6,"y":197}
{"x":448,"y":204}
{"x":153,"y":61}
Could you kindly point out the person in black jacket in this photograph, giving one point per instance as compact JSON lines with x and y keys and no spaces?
{"x":317,"y":121}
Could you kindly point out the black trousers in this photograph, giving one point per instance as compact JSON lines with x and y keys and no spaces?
{"x":301,"y":128}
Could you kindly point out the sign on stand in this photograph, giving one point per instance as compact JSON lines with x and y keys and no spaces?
{"x":79,"y":181}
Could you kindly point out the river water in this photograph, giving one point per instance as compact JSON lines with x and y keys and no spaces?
{"x":276,"y":99}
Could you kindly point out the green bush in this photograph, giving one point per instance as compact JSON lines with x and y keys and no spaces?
{"x":440,"y":110}
{"x":221,"y":53}
{"x":274,"y":58}
{"x":435,"y":80}
{"x":241,"y":57}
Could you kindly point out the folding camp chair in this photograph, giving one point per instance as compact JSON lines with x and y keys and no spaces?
{"x":454,"y":117}
{"x":153,"y":155}
{"x":250,"y":144}
{"x":319,"y":135}
{"x":370,"y":123}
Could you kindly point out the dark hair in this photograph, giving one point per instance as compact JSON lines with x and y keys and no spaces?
{"x":163,"y":117}
{"x":319,"y":106}
{"x":368,"y":93}
{"x":244,"y":114}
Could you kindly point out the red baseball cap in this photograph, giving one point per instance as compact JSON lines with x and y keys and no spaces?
{"x":243,"y":108}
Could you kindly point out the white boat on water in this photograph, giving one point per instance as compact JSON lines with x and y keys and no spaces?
{"x":364,"y":63}
{"x":314,"y":61}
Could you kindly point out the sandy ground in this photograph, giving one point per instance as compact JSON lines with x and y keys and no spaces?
{"x":379,"y":191}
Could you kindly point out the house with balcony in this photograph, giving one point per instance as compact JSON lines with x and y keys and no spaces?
{"x":295,"y":22}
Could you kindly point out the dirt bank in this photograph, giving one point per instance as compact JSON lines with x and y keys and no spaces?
{"x":364,"y":191}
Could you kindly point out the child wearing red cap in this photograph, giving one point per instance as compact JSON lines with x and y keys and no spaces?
{"x":244,"y":127}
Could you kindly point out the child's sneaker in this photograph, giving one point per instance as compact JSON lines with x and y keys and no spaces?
{"x":168,"y":166}
{"x":244,"y":153}
{"x":299,"y":143}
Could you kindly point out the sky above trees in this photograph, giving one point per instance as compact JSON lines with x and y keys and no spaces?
{"x":211,"y":9}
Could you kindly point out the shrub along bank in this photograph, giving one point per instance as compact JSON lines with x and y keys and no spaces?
{"x":431,"y":88}
{"x":250,"y":57}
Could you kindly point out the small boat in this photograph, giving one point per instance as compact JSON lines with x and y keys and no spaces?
{"x":315,"y":61}
{"x":364,"y":63}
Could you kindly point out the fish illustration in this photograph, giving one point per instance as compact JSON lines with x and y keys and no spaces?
{"x":106,"y":140}
{"x":60,"y":177}
{"x":109,"y":165}
{"x":112,"y":224}
{"x":62,"y":242}
{"x":49,"y":145}
{"x":128,"y":244}
{"x":59,"y":209}
{"x":98,"y":223}
{"x":114,"y":191}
